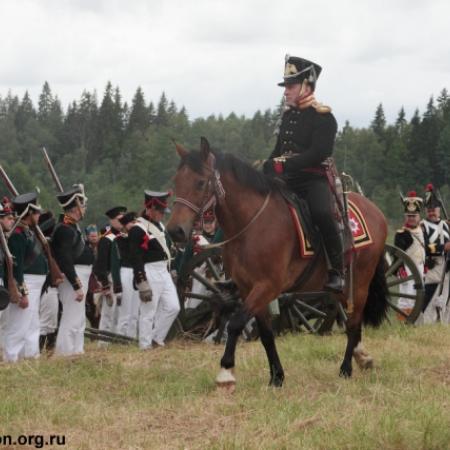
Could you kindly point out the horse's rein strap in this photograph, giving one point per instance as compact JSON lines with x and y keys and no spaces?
{"x":222,"y":243}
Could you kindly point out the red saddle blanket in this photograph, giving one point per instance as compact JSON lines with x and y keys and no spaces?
{"x":357,"y":223}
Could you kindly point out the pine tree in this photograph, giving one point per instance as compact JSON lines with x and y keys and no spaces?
{"x":25,"y":112}
{"x":378,"y":124}
{"x":162,"y":114}
{"x":45,"y":102}
{"x":140,"y":114}
{"x":400,"y":123}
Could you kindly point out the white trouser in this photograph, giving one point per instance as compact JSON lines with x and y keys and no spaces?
{"x":128,"y":311}
{"x":157,"y":316}
{"x":21,"y":333}
{"x":48,"y":311}
{"x":439,"y":301}
{"x":108,"y":314}
{"x":70,"y":339}
{"x":408,"y":288}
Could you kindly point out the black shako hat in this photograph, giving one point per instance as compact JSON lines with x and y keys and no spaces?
{"x":128,"y":217}
{"x":296,"y":70}
{"x":68,"y":199}
{"x":431,"y":199}
{"x":25,"y":203}
{"x":116,"y":211}
{"x":157,"y":199}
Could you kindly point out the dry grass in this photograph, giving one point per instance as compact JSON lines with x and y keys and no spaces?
{"x":120,"y":398}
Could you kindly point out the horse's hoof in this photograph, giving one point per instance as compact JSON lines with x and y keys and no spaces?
{"x":366,"y":364}
{"x":276,"y":382}
{"x":345,"y":372}
{"x":226,"y":381}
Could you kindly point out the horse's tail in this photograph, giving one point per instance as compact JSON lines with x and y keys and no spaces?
{"x":375,"y":310}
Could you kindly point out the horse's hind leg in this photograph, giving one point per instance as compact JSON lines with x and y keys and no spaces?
{"x":268,"y":341}
{"x":237,"y":322}
{"x":353,"y":330}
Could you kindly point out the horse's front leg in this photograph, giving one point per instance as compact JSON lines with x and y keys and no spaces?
{"x":225,"y":378}
{"x":268,"y":341}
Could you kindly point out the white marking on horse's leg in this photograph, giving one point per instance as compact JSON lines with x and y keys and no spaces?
{"x":226,"y":380}
{"x":362,"y":357}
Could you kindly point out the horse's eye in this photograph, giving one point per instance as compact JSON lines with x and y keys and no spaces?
{"x":200,"y":184}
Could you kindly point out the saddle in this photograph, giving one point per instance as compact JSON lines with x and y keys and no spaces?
{"x":356,"y":234}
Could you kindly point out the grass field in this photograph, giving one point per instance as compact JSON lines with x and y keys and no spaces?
{"x":120,"y":398}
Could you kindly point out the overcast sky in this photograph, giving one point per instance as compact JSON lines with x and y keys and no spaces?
{"x":221,"y":56}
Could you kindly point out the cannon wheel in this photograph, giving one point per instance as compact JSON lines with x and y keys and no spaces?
{"x":313,"y":312}
{"x":206,"y":270}
{"x":310,"y":312}
{"x":396,"y":258}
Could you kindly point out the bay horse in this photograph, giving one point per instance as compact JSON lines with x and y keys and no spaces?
{"x":261,"y":252}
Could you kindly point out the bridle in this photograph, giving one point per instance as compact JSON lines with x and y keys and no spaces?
{"x":214,"y":193}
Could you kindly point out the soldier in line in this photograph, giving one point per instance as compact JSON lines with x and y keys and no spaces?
{"x":67,"y":245}
{"x":127,"y":322}
{"x":410,"y":239}
{"x":107,"y":270}
{"x":21,"y":332}
{"x":305,"y":141}
{"x":437,"y":245}
{"x":150,"y":258}
{"x":7,"y":217}
{"x":48,"y":304}
{"x":88,"y":258}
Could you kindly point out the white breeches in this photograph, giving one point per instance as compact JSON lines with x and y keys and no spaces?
{"x":128,"y":311}
{"x":70,"y":339}
{"x":157,"y":316}
{"x":21,"y":332}
{"x":48,"y":311}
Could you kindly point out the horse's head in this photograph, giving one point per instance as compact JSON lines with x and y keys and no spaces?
{"x":194,"y":189}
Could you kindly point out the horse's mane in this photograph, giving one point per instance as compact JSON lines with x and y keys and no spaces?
{"x":242,"y":171}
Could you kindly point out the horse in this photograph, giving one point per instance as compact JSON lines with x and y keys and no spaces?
{"x":261,"y":252}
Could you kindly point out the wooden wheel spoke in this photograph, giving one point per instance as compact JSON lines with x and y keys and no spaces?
{"x":397,"y":309}
{"x":202,"y":279}
{"x":303,"y":319}
{"x":400,"y":281}
{"x":213,"y":269}
{"x":195,"y":295}
{"x":310,"y":308}
{"x":394,"y":268}
{"x":398,"y":294}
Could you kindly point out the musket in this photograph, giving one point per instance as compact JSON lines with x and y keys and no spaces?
{"x":442,"y":204}
{"x":14,"y":293}
{"x":56,"y":275}
{"x":52,"y":170}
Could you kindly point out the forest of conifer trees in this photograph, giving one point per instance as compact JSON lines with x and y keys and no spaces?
{"x":118,"y":150}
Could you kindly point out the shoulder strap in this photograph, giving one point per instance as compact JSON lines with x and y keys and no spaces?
{"x":155,"y":232}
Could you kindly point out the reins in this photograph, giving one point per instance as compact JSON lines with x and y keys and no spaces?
{"x":218,"y":193}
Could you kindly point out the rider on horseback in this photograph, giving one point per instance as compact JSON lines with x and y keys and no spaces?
{"x":305,"y":140}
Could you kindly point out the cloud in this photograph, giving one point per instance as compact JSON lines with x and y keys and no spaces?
{"x":217,"y":57}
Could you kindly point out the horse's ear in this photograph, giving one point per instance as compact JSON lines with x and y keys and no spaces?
{"x":182,"y":152}
{"x":204,"y":148}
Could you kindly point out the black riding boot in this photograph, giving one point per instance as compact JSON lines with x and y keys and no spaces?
{"x":335,"y":251}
